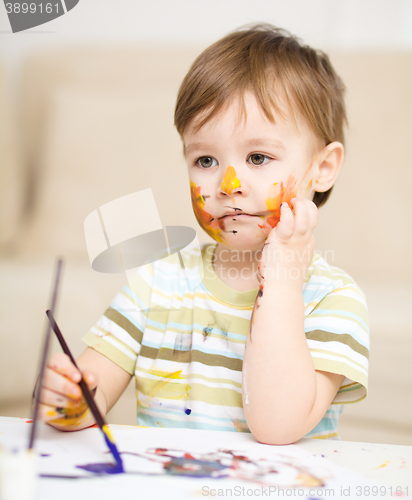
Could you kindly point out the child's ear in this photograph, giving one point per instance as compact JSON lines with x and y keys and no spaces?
{"x":330,"y":160}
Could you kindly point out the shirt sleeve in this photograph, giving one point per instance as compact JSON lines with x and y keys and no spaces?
{"x":337,"y":333}
{"x":118,"y":333}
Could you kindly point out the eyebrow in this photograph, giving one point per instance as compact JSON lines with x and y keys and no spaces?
{"x":195,"y":146}
{"x":258,"y":142}
{"x":265,"y":142}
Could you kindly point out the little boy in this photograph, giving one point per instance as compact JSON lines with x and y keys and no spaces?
{"x":272,"y":340}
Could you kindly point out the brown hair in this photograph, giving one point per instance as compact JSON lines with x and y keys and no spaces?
{"x":275,"y":66}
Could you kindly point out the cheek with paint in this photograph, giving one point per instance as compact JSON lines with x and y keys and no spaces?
{"x":212,"y":226}
{"x":284,"y":192}
{"x":204,"y":219}
{"x":278,"y":194}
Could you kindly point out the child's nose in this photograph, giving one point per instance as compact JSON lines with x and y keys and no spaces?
{"x":230,"y":183}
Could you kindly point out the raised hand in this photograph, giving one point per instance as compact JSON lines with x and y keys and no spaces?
{"x":288,"y":250}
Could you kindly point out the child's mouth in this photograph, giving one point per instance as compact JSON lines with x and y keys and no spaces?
{"x":238,"y":216}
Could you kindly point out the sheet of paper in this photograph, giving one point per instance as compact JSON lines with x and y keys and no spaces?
{"x":181,"y":463}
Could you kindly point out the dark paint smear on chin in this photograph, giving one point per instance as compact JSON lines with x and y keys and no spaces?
{"x":105,"y":468}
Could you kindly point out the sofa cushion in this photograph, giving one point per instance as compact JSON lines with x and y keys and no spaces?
{"x":100,"y":145}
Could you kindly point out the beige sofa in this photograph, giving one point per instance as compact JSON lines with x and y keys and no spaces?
{"x":87,"y":125}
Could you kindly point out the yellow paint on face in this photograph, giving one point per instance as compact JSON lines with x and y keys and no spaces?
{"x":307,"y":171}
{"x":230,"y":181}
{"x":309,"y":186}
{"x":273,"y":193}
{"x":203,"y":218}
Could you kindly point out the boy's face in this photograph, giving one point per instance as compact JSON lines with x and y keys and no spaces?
{"x":241,"y":171}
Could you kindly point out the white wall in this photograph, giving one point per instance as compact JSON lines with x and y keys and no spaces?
{"x":327,"y":24}
{"x":382,"y":24}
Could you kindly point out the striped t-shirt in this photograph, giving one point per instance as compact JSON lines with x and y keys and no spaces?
{"x":181,"y":332}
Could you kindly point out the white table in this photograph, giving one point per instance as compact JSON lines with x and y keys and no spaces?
{"x":352,"y":469}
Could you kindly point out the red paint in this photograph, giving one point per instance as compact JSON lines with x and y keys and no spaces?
{"x":161,"y":451}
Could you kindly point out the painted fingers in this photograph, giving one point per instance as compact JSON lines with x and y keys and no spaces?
{"x":298,"y":221}
{"x":61,"y":397}
{"x":288,"y":250}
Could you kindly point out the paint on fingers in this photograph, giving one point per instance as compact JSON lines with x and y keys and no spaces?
{"x":68,"y":417}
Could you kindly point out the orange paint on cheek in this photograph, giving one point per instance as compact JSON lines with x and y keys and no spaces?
{"x":230,"y":181}
{"x":277,"y":196}
{"x":203,"y":218}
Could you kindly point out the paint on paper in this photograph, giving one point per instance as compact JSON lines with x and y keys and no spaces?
{"x":218,"y":464}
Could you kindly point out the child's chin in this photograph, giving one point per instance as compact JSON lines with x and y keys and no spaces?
{"x":242,"y":243}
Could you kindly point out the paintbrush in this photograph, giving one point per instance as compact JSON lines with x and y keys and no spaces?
{"x":89,"y":399}
{"x":46,"y":344}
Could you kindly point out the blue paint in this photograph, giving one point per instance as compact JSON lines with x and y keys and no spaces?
{"x":115,"y":453}
{"x":188,"y":411}
{"x":61,"y":476}
{"x":105,"y":468}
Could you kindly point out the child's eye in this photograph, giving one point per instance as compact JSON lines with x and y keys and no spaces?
{"x":259,"y":159}
{"x":206,"y":161}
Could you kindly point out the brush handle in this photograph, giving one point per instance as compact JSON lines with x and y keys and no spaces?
{"x":45,"y":352}
{"x":89,"y":398}
{"x":83,"y":386}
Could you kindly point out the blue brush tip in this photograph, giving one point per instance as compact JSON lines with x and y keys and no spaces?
{"x":119,"y":463}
